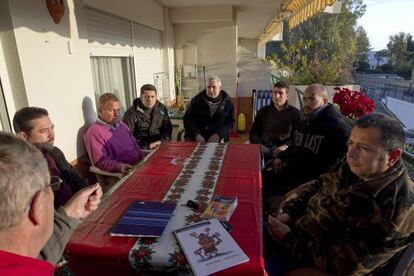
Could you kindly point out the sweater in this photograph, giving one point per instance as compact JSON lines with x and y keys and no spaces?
{"x":111,"y":146}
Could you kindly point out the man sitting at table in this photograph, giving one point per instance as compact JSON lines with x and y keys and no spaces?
{"x":33,"y":125}
{"x":210,"y":115}
{"x":110,"y":143}
{"x":319,"y":142}
{"x":274,"y":125}
{"x":27,"y":217}
{"x":353,"y":219}
{"x":148,"y":119}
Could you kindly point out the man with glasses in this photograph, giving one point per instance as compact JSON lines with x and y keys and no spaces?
{"x":354,"y":219}
{"x":33,"y":125}
{"x":148,"y":119}
{"x":72,"y":196}
{"x":27,"y":220}
{"x":318,"y":143}
{"x":210,"y":115}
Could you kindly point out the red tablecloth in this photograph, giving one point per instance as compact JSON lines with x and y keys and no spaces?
{"x":92,"y":250}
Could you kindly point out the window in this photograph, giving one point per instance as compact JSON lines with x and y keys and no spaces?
{"x":114,"y":75}
{"x":4,"y":117}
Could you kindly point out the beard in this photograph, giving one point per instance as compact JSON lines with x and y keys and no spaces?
{"x":48,"y":146}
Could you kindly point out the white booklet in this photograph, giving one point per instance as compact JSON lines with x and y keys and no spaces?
{"x":209,"y":247}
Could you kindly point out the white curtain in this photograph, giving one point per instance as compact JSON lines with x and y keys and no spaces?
{"x":114,"y":75}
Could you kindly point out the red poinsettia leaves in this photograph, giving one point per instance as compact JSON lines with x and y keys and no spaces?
{"x":353,"y":104}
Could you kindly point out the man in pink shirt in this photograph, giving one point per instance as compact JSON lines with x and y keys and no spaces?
{"x":110,"y":143}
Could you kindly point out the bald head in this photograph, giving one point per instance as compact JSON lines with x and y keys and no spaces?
{"x":314,"y":97}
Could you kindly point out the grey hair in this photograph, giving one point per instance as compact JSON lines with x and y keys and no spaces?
{"x":214,"y":78}
{"x":321,"y":89}
{"x":23,"y":172}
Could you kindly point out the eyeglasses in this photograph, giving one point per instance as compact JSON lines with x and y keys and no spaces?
{"x":55,"y":182}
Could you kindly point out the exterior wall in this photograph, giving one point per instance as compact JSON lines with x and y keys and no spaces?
{"x":254,"y":71}
{"x":146,"y":12}
{"x":168,"y":54}
{"x":10,"y":69}
{"x":249,"y":44}
{"x":48,"y":65}
{"x":216,"y":44}
{"x":52,"y":76}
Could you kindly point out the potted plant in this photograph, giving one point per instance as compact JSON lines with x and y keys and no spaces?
{"x":353,"y":104}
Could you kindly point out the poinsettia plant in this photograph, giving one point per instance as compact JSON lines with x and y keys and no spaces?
{"x":353,"y":104}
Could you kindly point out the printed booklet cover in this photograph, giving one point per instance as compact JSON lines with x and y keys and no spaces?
{"x":221,"y":207}
{"x":209,"y":247}
{"x":144,"y":219}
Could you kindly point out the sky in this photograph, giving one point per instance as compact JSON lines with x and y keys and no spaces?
{"x":387,"y":17}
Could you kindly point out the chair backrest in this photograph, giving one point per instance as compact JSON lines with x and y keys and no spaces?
{"x":88,"y":150}
{"x":261,"y":98}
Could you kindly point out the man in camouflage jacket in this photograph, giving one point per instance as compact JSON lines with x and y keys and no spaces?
{"x":352,"y":220}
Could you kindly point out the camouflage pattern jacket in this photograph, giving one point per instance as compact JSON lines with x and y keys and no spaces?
{"x":346,"y":226}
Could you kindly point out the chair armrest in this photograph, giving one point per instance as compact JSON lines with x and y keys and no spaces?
{"x":96,"y":170}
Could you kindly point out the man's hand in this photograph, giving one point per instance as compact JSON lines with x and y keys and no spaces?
{"x":155,"y":144}
{"x":125,"y":167}
{"x":277,"y":229}
{"x":215,"y":138}
{"x":200,"y":139}
{"x":277,"y":165}
{"x":283,"y":218}
{"x":264,"y":149}
{"x":84,"y":202}
{"x":279,"y":149}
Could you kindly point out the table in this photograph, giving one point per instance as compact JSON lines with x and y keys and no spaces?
{"x":92,"y":251}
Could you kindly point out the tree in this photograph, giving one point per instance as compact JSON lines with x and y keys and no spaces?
{"x":401,"y":53}
{"x":362,"y":45}
{"x":397,"y":47}
{"x":380,"y":55}
{"x":331,"y":46}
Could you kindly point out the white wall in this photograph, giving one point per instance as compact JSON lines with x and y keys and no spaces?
{"x":39,"y":69}
{"x":216,"y":44}
{"x":254,"y":72}
{"x":168,"y":54}
{"x":53,"y":78}
{"x":146,"y":12}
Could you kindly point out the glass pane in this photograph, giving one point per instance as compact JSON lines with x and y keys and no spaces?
{"x":114,"y":75}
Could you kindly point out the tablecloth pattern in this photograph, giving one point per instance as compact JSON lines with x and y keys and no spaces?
{"x":93,"y":251}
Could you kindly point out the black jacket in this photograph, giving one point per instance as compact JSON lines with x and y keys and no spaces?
{"x":197,"y":119}
{"x":273,"y":128}
{"x":319,"y":142}
{"x":69,"y":176}
{"x":148,"y":129}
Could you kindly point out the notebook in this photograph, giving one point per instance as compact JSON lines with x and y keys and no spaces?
{"x":144,"y":219}
{"x":208,"y":247}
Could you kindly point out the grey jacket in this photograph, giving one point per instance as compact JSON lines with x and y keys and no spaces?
{"x":63,"y":227}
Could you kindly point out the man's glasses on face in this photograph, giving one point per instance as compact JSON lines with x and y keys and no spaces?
{"x":55,"y":182}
